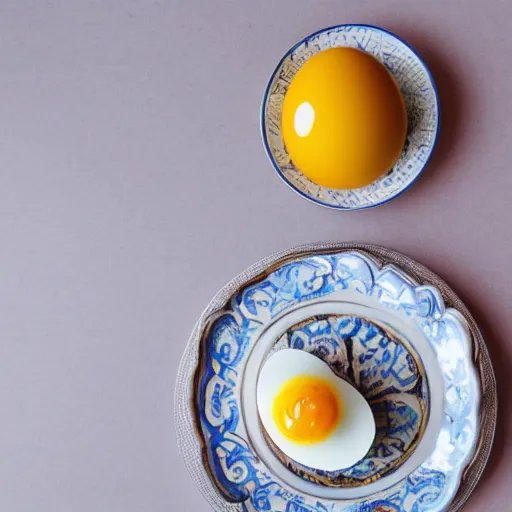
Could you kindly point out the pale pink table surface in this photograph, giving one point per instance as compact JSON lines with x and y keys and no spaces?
{"x":134,"y":185}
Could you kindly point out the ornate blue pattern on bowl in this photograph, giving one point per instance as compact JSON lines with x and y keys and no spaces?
{"x":421,"y":99}
{"x":388,"y":373}
{"x":238,"y":471}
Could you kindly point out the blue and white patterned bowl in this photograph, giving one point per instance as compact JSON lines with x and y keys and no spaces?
{"x":421,"y":99}
{"x":346,"y":286}
{"x":388,"y":372}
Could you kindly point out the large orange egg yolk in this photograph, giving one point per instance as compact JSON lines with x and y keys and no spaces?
{"x":306,"y":409}
{"x":344,"y":120}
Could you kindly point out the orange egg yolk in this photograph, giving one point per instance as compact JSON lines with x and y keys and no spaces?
{"x":344,"y":120}
{"x":306,"y":409}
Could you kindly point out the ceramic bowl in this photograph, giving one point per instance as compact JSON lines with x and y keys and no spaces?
{"x":420,"y":95}
{"x":388,"y":372}
{"x":389,"y":362}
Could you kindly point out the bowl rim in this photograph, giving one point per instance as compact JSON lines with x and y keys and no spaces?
{"x":266,"y":95}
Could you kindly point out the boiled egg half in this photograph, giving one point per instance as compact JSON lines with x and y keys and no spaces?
{"x":313,"y":416}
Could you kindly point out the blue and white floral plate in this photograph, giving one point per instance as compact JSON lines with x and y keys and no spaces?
{"x":421,"y":99}
{"x":415,"y":353}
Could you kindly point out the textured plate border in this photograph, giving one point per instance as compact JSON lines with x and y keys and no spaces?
{"x":423,"y":112}
{"x":188,"y":441}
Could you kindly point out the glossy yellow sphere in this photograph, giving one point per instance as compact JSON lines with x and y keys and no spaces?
{"x":344,"y":119}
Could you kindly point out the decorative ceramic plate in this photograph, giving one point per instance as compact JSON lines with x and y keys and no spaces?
{"x":421,"y":99}
{"x":382,"y":322}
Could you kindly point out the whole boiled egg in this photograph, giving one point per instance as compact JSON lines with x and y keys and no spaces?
{"x":344,"y":120}
{"x":313,"y":416}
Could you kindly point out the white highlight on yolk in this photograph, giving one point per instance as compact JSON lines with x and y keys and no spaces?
{"x":304,"y":119}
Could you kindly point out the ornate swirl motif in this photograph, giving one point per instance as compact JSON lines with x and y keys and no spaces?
{"x":419,"y":94}
{"x":241,"y":475}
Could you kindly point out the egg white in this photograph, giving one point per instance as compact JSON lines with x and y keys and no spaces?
{"x":352,"y":437}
